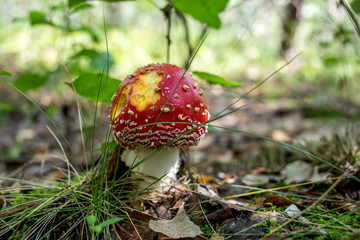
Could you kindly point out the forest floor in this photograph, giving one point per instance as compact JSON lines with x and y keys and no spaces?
{"x":246,"y":187}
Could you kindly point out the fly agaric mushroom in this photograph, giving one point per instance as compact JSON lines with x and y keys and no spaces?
{"x":154,"y":108}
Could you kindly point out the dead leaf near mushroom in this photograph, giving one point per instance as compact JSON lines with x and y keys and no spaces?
{"x":276,"y":200}
{"x":179,"y":227}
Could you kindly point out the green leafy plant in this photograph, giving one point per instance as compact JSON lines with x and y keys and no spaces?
{"x":214,"y":79}
{"x":4,"y":73}
{"x":74,"y":3}
{"x":96,"y":87}
{"x":30,"y":82}
{"x":98,"y":228}
{"x":38,"y":17}
{"x":206,"y":11}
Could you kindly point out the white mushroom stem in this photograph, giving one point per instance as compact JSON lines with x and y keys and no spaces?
{"x":164,"y":162}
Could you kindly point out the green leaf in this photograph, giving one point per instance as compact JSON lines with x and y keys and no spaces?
{"x":76,"y":3}
{"x":206,"y":11}
{"x":81,"y":7}
{"x":6,"y":107}
{"x":4,"y":73}
{"x":87,"y":30}
{"x":86,"y":53}
{"x":331,"y":60}
{"x":52,"y":110}
{"x":100,"y":61}
{"x":88,"y":85}
{"x":108,"y":146}
{"x":117,"y":0}
{"x":355,"y":5}
{"x":30,"y":81}
{"x":96,"y":228}
{"x":214,"y":79}
{"x":91,"y":219}
{"x":110,"y":221}
{"x":37,"y":17}
{"x":72,"y":3}
{"x":61,"y":6}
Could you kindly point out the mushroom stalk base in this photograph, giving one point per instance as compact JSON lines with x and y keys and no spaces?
{"x":152,"y":169}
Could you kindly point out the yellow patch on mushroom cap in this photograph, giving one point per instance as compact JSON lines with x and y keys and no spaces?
{"x":145,"y":91}
{"x":117,"y":108}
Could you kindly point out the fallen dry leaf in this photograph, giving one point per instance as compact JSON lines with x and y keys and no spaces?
{"x":281,"y":136}
{"x":221,"y":213}
{"x":255,"y":180}
{"x":277,"y":201}
{"x":297,"y":171}
{"x":301,"y":171}
{"x":216,"y":236}
{"x":178,"y":227}
{"x":205,"y":179}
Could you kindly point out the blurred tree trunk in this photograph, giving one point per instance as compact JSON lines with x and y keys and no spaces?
{"x":289,"y":23}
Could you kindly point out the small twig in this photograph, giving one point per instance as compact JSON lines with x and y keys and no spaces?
{"x":117,"y":234}
{"x":121,"y":227}
{"x":167,"y":13}
{"x":203,"y":212}
{"x":187,"y":36}
{"x":202,"y":236}
{"x":132,"y":223}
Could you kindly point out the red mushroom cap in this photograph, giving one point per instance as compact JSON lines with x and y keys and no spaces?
{"x":144,"y":94}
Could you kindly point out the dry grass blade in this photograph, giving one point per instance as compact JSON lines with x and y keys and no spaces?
{"x":132,"y":223}
{"x":79,"y":109}
{"x":65,"y":157}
